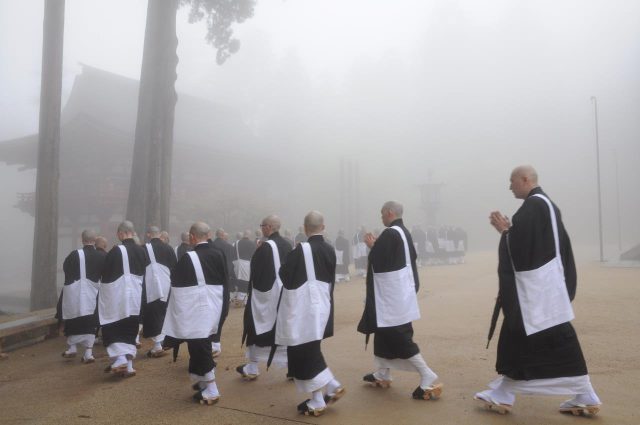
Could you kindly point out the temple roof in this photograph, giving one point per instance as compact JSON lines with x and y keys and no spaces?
{"x":212,"y":149}
{"x":108,"y":101}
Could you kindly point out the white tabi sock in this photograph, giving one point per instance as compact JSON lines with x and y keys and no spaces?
{"x":251,"y":368}
{"x":588,"y":399}
{"x":157,"y":346}
{"x":129,"y":365}
{"x":211,"y":390}
{"x":88,"y":353}
{"x":383,"y":374}
{"x":317,"y":400}
{"x":120,"y":360}
{"x":498,"y":396}
{"x":72,"y":349}
{"x":333,"y":386}
{"x":427,"y":376}
{"x":216,"y":346}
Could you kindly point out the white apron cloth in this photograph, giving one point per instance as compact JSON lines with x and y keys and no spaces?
{"x":193,"y":312}
{"x":395,"y":293}
{"x":157,"y":278}
{"x":304,"y":312}
{"x":430,"y":249}
{"x":79,"y":298}
{"x":451,"y":246}
{"x":264,"y":305}
{"x":339,"y":257}
{"x":120,"y":299}
{"x":542,"y":293}
{"x":242,"y":268}
{"x":360,"y":250}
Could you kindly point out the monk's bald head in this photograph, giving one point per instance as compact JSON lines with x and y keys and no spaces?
{"x":89,"y":237}
{"x":313,"y":223}
{"x":524,"y":179}
{"x":526,"y":171}
{"x":199,"y":232}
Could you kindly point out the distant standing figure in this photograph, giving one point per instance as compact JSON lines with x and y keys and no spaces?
{"x":101,"y":244}
{"x":343,"y":257}
{"x":184,"y":246}
{"x":360,"y":252}
{"x":300,"y":237}
{"x":244,"y":249}
{"x":164,"y":237}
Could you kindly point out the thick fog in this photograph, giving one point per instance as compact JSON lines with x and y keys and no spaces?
{"x":407,"y":92}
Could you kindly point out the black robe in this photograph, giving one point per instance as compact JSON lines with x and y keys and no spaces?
{"x":554,"y":352}
{"x":182,"y":249}
{"x":225,"y":249}
{"x":124,"y":330}
{"x":262,"y":276}
{"x":386,"y":255}
{"x":94,"y":260}
{"x":245,"y":250}
{"x":420,"y":238}
{"x":153,"y":312}
{"x":300,"y":237}
{"x":183,"y":274}
{"x":342,"y":244}
{"x":306,"y":361}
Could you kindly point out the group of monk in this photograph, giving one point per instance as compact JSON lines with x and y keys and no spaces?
{"x":289,"y":305}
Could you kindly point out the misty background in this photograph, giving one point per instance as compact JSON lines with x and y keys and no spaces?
{"x":440,"y":91}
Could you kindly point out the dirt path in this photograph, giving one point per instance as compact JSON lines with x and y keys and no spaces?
{"x":38,"y":386}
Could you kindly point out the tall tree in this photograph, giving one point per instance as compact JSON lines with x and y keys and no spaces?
{"x":45,"y":237}
{"x":150,"y":186}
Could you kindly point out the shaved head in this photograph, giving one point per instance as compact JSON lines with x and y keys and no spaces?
{"x":313,"y":223}
{"x":391,"y":211}
{"x":184,"y":236}
{"x":270,"y":224}
{"x":153,"y":232}
{"x":273,"y":221}
{"x":394,"y":206}
{"x":126,"y":227}
{"x":126,"y":230}
{"x":524,"y":179}
{"x":101,"y":242}
{"x":200,"y":231}
{"x":89,"y":237}
{"x":526,"y":171}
